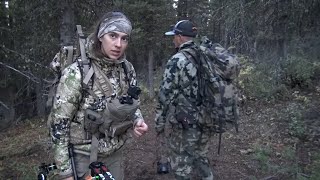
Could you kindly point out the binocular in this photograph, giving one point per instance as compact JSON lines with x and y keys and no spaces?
{"x":134,"y":92}
{"x":125,"y":100}
{"x":44,"y":170}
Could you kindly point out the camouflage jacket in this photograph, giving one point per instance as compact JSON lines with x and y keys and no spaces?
{"x":70,"y":103}
{"x":178,"y":90}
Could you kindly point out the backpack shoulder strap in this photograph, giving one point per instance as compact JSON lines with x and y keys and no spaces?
{"x":194,"y":57}
{"x":85,"y":62}
{"x":69,"y":50}
{"x":191,"y":55}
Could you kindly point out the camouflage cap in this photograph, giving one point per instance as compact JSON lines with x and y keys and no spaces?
{"x":116,"y":22}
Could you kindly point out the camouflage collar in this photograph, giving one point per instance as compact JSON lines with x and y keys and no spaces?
{"x":187,"y":44}
{"x":107,"y":61}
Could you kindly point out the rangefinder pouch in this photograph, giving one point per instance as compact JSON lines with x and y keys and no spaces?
{"x":92,"y":121}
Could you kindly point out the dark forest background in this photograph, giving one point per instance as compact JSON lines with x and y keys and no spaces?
{"x":278,"y":45}
{"x":277,"y":41}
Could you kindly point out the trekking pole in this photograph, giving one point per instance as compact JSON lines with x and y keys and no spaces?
{"x":221,"y":114}
{"x":71,"y":155}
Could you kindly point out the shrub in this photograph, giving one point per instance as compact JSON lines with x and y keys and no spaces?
{"x":261,"y":81}
{"x":297,"y":127}
{"x":298,"y":71}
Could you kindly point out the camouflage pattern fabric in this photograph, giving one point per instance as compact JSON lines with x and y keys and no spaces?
{"x":68,"y":112}
{"x":64,"y":108}
{"x":218,"y":96}
{"x":189,"y":150}
{"x":226,"y":64}
{"x":178,"y":96}
{"x":178,"y":90}
{"x":120,"y":23}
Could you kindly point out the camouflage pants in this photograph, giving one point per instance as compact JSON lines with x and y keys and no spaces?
{"x":189,"y":150}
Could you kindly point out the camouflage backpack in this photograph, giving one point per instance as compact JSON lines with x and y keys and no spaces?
{"x":70,"y":54}
{"x":218,"y":96}
{"x":66,"y":56}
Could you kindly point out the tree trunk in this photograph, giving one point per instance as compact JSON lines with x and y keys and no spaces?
{"x":181,"y":9}
{"x":67,"y":22}
{"x":41,"y":103}
{"x":150,"y":73}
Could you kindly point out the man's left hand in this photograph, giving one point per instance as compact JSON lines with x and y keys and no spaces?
{"x":140,"y":128}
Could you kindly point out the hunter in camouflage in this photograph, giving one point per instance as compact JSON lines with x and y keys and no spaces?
{"x":178,"y":97}
{"x":74,"y":102}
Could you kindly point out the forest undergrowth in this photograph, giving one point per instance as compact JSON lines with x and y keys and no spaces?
{"x":276,"y":140}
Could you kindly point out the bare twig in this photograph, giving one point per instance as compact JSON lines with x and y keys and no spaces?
{"x":304,"y":175}
{"x":269,"y":178}
{"x":24,"y":57}
{"x":4,"y":105}
{"x":244,"y":175}
{"x":141,"y":161}
{"x":17,"y":120}
{"x":12,"y":68}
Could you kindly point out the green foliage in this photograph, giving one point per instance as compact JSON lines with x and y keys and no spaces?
{"x":289,"y":153}
{"x":292,"y":167}
{"x":297,"y":127}
{"x":261,"y":81}
{"x":273,"y":80}
{"x":262,"y":155}
{"x":315,"y":167}
{"x":298,"y":70}
{"x":286,"y":166}
{"x":150,"y":21}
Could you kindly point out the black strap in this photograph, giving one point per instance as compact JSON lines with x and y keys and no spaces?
{"x":125,"y":69}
